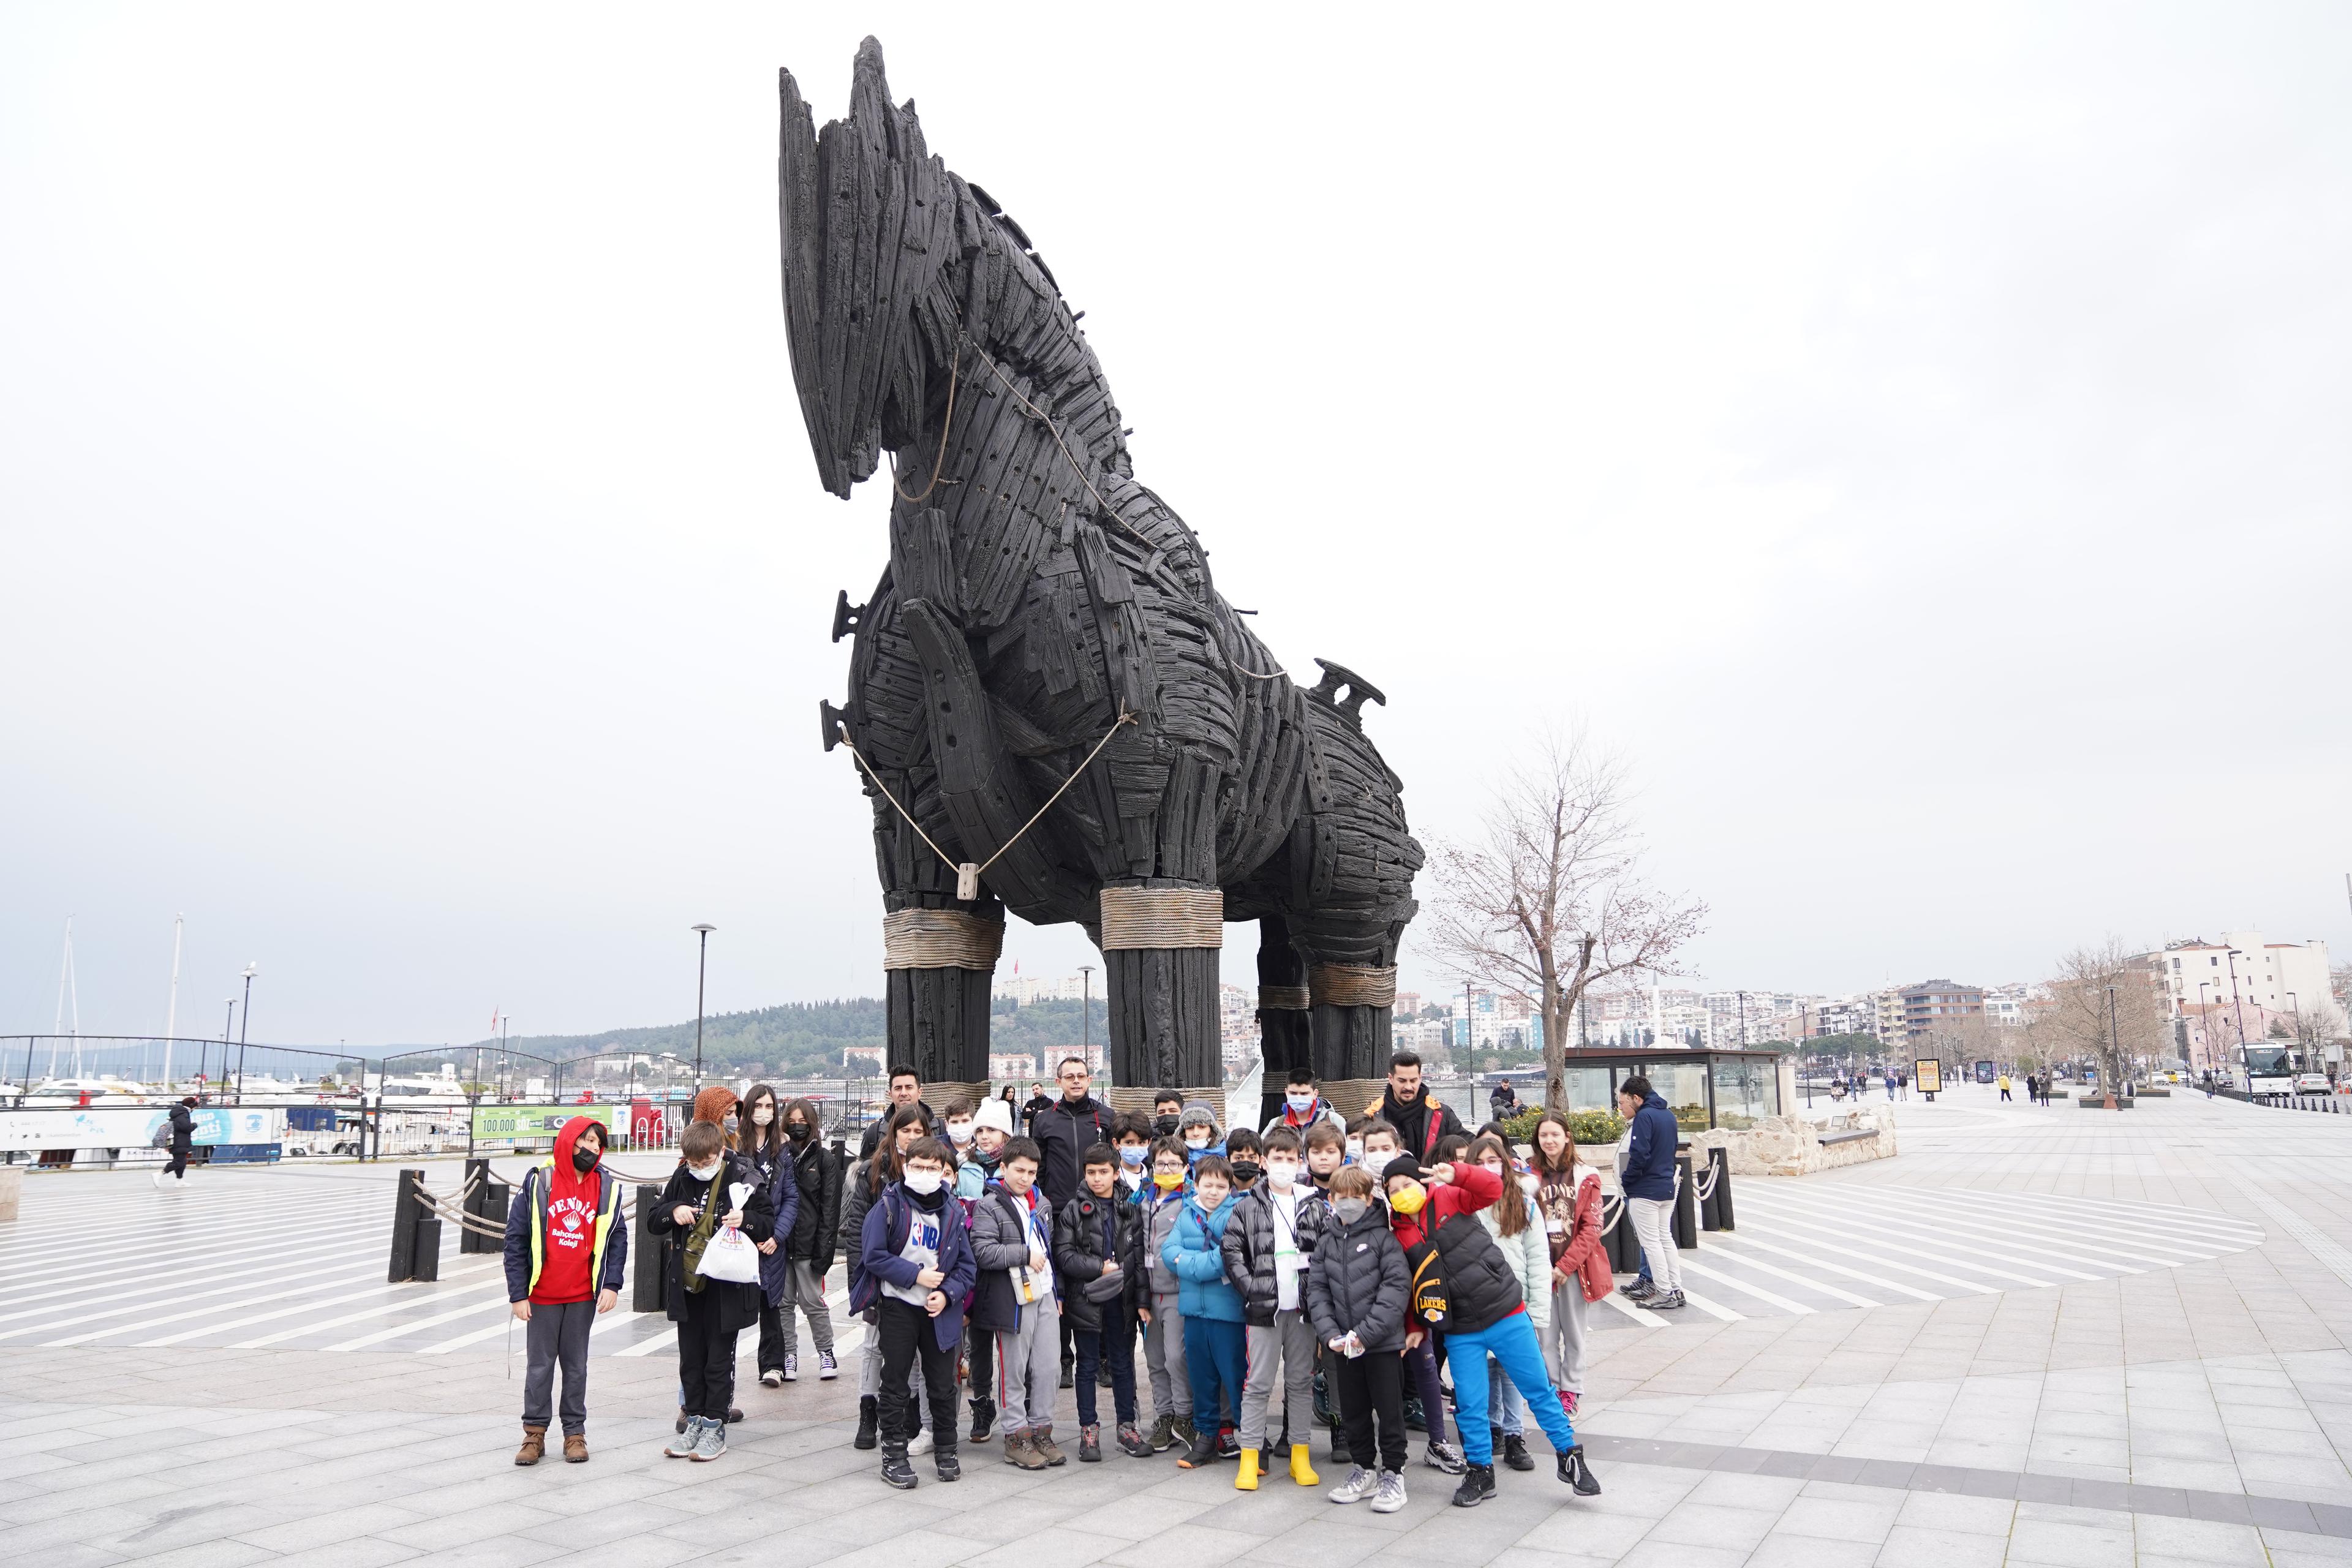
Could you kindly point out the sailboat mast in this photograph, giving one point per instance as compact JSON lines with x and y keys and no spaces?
{"x":172,"y":1017}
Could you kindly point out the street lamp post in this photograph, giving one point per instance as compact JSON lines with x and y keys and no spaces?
{"x":2115,"y":1046}
{"x":702,"y":968}
{"x":2204,"y":1025}
{"x":2239,"y":1008}
{"x":244,"y":1023}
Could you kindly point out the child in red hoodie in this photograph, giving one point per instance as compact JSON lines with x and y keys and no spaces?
{"x":567,"y":1252}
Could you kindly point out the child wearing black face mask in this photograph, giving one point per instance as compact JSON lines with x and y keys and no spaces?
{"x":808,"y":1246}
{"x":567,"y":1251}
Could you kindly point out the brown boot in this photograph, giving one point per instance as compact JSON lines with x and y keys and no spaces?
{"x":1019,"y":1450}
{"x":534,"y":1445}
{"x":575,"y":1449}
{"x":1042,"y":1439}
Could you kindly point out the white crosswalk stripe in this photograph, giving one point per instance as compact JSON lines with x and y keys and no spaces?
{"x":213,"y":1264}
{"x":1810,"y":1248}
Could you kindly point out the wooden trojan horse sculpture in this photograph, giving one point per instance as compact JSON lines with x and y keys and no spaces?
{"x":1052,"y":708}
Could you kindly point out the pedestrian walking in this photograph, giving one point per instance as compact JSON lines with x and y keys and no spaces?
{"x":565,"y":1260}
{"x":182,"y":1119}
{"x":2003,"y":1082}
{"x":1648,"y":1183}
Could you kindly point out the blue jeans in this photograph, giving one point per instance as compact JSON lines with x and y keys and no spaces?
{"x":1508,"y":1409}
{"x":1215,"y":1355}
{"x":1114,"y":1341}
{"x":1512,"y":1342}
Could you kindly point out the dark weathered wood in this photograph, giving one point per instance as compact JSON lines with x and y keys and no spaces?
{"x":1035,"y":592}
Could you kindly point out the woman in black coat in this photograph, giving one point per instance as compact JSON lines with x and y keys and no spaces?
{"x":184,"y":1138}
{"x":808,"y":1249}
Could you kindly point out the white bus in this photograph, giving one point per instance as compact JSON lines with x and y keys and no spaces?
{"x":2264,"y":1069}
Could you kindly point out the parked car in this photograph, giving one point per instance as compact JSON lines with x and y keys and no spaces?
{"x":2311,"y":1083}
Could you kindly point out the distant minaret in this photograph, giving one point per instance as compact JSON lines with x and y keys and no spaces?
{"x":1657,"y":1013}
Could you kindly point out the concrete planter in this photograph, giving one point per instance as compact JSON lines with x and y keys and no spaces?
{"x":2099,"y":1102}
{"x":1792,"y":1146}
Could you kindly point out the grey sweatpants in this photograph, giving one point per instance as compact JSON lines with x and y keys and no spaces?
{"x":1163,"y":1358}
{"x":1563,"y":1340}
{"x":557,"y":1334}
{"x":804,"y":1288}
{"x":1029,"y":1368}
{"x":1291,"y":1342}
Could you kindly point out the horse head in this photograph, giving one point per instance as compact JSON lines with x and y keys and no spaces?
{"x":870,"y":228}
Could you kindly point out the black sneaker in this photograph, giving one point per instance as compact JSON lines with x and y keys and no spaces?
{"x":945,"y":1464}
{"x":1228,"y":1445}
{"x":1069,"y":1375}
{"x":1478,"y":1486}
{"x":896,"y":1472}
{"x":984,"y":1419}
{"x":1514,"y":1452}
{"x":869,"y":1424}
{"x":1670,"y":1302}
{"x":1639,"y":1290}
{"x":1445,"y":1457}
{"x":1203,"y":1449}
{"x":1577,"y":1473}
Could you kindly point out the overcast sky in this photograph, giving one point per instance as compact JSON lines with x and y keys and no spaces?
{"x":1915,"y":437}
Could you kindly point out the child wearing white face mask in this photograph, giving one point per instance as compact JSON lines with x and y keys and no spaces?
{"x":916,"y":1266}
{"x":1269,"y":1243}
{"x":709,"y":1313}
{"x":1304,"y":1107}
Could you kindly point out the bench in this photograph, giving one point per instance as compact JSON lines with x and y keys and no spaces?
{"x":1856,"y":1135}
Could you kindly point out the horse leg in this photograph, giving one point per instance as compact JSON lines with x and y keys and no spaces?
{"x":1282,"y":1020}
{"x":1164,"y":1013}
{"x":939,"y":952}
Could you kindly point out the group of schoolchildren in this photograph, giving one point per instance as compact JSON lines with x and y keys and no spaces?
{"x":1317,"y":1248}
{"x":1316,"y":1251}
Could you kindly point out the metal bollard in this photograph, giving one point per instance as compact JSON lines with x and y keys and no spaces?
{"x":408,"y":1211}
{"x":478,"y":1186}
{"x":1685,"y":1205}
{"x":1624,"y":1247}
{"x":647,"y":1268}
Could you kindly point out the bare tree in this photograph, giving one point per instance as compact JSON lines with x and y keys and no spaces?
{"x":1551,"y":900}
{"x":2102,"y":1004}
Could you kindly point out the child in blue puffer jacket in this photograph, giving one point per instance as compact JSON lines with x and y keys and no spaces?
{"x":1214,"y":1335}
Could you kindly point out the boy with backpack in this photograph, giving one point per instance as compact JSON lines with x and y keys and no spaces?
{"x":1099,"y":1249}
{"x":1269,"y":1241}
{"x":914,"y":1268}
{"x":1356,"y":1292}
{"x":1486,"y":1315}
{"x":1016,"y":1299}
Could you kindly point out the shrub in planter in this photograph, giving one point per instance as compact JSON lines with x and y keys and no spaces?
{"x":1585,"y":1126}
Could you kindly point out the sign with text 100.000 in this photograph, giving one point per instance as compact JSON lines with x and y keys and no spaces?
{"x":1930,"y":1073}
{"x":536,"y":1120}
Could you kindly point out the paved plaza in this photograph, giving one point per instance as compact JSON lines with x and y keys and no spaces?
{"x":2036,"y":1336}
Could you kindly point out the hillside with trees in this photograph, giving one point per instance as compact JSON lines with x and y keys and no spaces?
{"x":806,"y":1038}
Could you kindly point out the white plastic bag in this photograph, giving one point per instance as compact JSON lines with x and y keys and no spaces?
{"x":728,"y":1256}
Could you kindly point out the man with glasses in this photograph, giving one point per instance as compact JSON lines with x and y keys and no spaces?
{"x":1063,"y":1130}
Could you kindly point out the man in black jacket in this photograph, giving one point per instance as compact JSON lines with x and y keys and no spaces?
{"x":1408,"y":1107}
{"x":1063,"y":1130}
{"x":905,"y":1088}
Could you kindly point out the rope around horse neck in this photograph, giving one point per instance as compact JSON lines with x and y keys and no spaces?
{"x":966,"y":873}
{"x":955,"y":368}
